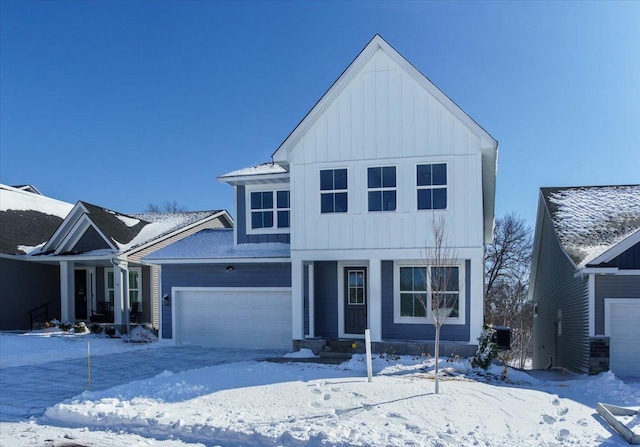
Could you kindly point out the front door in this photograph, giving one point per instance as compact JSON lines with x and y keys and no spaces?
{"x":355,"y":300}
{"x":81,"y":294}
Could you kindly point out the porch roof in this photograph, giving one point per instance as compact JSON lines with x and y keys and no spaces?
{"x":216,"y":244}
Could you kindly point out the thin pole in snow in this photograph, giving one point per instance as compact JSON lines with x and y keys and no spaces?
{"x":89,"y":364}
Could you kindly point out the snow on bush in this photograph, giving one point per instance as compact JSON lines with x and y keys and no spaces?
{"x":140,"y":334}
{"x":487,"y":349}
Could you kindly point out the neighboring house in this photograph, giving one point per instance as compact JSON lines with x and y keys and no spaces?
{"x":330,"y":236}
{"x":98,"y":253}
{"x":27,"y":220}
{"x":585,"y":279}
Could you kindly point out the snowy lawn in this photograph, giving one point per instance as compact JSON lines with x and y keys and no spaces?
{"x":255,"y":403}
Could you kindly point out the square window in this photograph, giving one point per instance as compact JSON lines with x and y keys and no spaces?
{"x":332,"y":181}
{"x":431,"y":181}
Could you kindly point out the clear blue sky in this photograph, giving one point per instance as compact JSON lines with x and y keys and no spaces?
{"x":130,"y":102}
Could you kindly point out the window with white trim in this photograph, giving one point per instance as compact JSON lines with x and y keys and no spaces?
{"x":431,"y":182}
{"x":333,"y":191}
{"x":269,"y":213}
{"x":415,"y":293}
{"x":381,"y":185}
{"x":135,"y":286}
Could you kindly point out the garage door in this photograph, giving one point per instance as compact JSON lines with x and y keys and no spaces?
{"x":624,"y":330}
{"x":238,"y":318}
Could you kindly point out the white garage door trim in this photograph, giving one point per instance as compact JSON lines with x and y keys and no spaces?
{"x":175,"y":300}
{"x":608,"y":303}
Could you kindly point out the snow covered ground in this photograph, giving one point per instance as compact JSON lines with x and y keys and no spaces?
{"x":256,"y":403}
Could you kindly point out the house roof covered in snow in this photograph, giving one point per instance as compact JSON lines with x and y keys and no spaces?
{"x":27,"y":219}
{"x":127,"y":231}
{"x":591,"y":220}
{"x":216,"y":244}
{"x":263,"y":173}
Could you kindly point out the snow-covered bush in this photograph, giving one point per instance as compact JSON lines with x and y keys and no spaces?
{"x":487,"y":349}
{"x":80,"y":328}
{"x":140,"y":334}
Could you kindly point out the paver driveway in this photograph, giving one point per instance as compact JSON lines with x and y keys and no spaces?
{"x":29,"y":390}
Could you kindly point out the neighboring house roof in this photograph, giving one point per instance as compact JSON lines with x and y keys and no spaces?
{"x":28,"y":188}
{"x":263,"y":173}
{"x":27,"y":219}
{"x":590,"y":220}
{"x":122,"y":232}
{"x":214,"y":245}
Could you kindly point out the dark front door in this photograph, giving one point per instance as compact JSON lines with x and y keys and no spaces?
{"x":355,"y":300}
{"x":81,"y":294}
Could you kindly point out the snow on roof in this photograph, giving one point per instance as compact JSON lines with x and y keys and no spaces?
{"x":589,"y":220}
{"x":28,"y":219}
{"x":261,"y":169}
{"x":218,"y":244}
{"x":22,"y":200}
{"x":160,"y":224}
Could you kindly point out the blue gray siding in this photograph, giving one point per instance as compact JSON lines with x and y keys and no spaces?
{"x":25,"y":286}
{"x":613,"y":286}
{"x":326,"y":298}
{"x":241,"y":224}
{"x":630,"y":259}
{"x":216,"y":275}
{"x":89,"y":241}
{"x":562,"y":302}
{"x":393,"y":331}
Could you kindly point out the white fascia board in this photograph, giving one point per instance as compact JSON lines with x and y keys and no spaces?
{"x":217,"y":261}
{"x":489,"y":163}
{"x":607,"y":271}
{"x":378,"y":43}
{"x":463,"y":253}
{"x":256,"y":178}
{"x":65,"y":227}
{"x":77,"y":231}
{"x":152,"y":242}
{"x":617,"y":249}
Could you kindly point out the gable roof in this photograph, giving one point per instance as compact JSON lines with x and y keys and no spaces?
{"x":27,"y":219}
{"x":377,"y":43}
{"x":122,"y":232}
{"x":590,"y":221}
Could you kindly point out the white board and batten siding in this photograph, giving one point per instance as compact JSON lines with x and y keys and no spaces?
{"x":385,"y":118}
{"x":622,"y":316}
{"x":243,"y":318}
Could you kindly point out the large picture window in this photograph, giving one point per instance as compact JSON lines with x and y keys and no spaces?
{"x":333,"y":191}
{"x":431,"y":181}
{"x":267,"y":212}
{"x":381,"y":184}
{"x":440,"y":290}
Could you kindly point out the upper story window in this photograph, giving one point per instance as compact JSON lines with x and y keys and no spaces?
{"x":333,"y":191}
{"x":267,"y":213}
{"x":431,"y":181}
{"x":381,"y":184}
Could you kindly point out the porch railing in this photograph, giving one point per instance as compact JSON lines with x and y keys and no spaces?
{"x":37,"y":313}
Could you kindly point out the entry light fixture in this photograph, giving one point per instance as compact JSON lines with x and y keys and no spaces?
{"x":165,"y":300}
{"x":229,"y":268}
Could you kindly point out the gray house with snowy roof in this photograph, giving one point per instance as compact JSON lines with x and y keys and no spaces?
{"x":27,"y":220}
{"x":585,"y":279}
{"x":329,"y":236}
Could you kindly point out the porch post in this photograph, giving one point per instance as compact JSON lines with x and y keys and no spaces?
{"x":120,"y":290}
{"x":477,"y":298}
{"x":297,"y":300}
{"x":375,"y":299}
{"x":67,"y":301}
{"x":312,"y":315}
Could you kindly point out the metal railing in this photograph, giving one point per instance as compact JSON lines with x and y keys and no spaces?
{"x":38,"y":312}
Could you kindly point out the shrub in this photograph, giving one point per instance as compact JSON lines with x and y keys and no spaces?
{"x":487,"y":349}
{"x":66,"y":327}
{"x":80,"y":328}
{"x":95,"y":328}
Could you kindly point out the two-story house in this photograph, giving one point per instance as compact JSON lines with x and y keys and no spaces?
{"x":330,"y":237}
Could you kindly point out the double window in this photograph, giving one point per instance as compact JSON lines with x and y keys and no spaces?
{"x":381,"y":184}
{"x":333,"y":191}
{"x":135,"y":286}
{"x":269,"y":213}
{"x":436,"y":289}
{"x":431,"y":181}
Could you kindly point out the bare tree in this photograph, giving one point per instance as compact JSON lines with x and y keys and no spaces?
{"x":441,"y":284}
{"x":168,"y":206}
{"x":507,"y":264}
